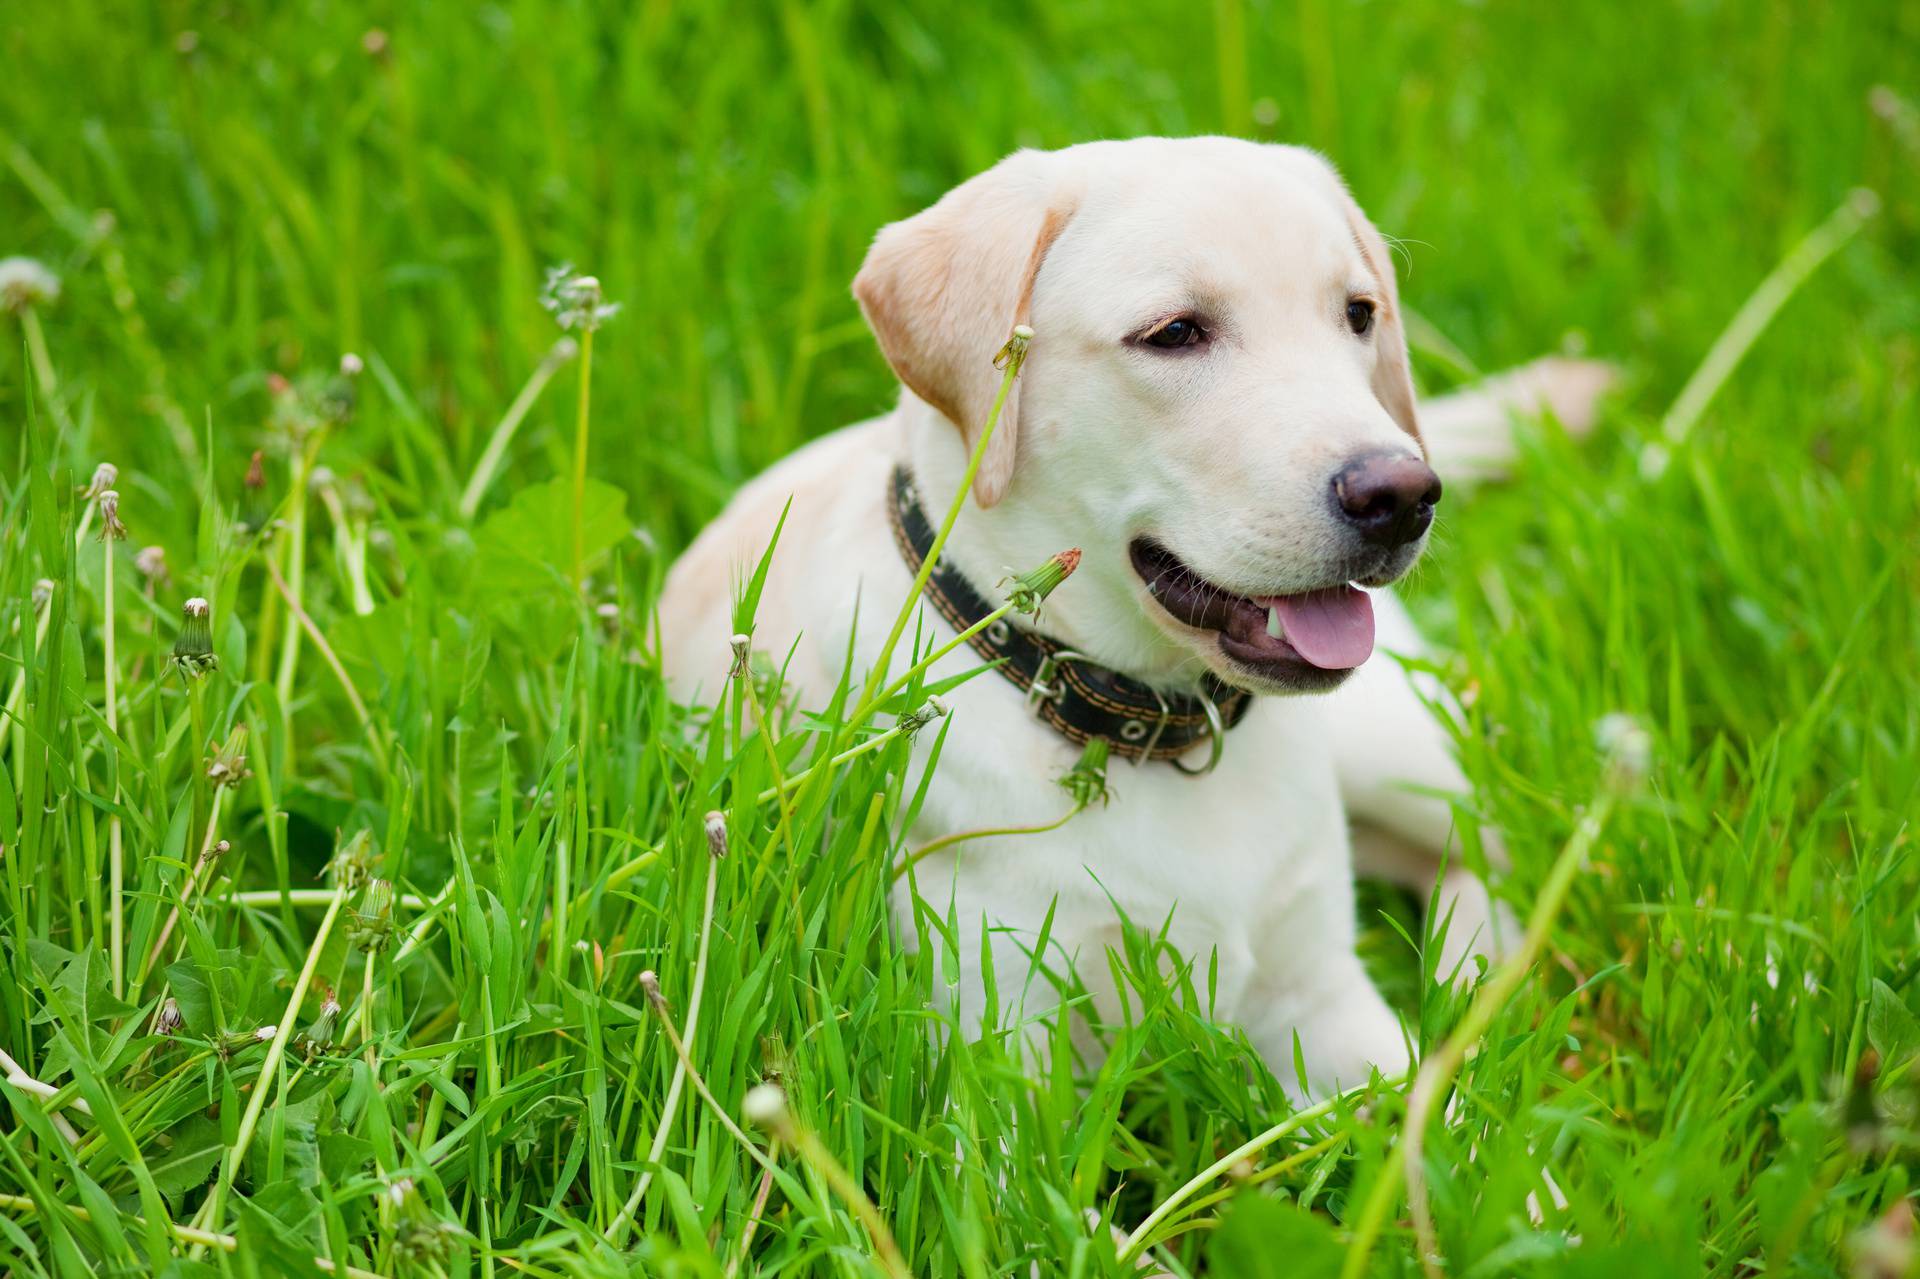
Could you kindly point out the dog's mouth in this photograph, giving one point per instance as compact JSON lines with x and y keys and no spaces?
{"x":1311,"y":638}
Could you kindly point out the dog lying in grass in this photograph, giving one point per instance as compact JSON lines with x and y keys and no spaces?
{"x":1216,"y":409}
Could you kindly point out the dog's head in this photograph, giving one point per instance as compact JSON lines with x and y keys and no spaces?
{"x":1216,"y":406}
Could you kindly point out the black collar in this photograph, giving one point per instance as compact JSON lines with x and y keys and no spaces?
{"x":1075,"y":697}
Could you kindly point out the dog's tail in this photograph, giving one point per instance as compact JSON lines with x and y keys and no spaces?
{"x":1469,"y":433}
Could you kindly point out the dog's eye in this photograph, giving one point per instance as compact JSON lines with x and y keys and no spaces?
{"x":1360,"y":315}
{"x":1180,"y":331}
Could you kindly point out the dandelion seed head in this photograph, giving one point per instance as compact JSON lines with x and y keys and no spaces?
{"x":765,"y":1105}
{"x":575,"y":301}
{"x":27,"y":282}
{"x":1627,"y":746}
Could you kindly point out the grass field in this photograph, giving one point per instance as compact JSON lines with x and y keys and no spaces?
{"x":1710,"y":1069}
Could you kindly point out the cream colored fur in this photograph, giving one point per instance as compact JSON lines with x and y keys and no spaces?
{"x":1226,"y":455}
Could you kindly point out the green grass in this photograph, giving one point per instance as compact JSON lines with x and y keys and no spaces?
{"x":1713,"y":1057}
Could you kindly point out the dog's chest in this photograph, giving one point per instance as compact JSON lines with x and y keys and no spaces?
{"x":1235,"y":856}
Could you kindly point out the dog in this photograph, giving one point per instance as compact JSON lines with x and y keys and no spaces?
{"x":1216,"y":409}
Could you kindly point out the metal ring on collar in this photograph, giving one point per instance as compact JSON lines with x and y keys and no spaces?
{"x":1040,"y":690}
{"x":1216,"y":739}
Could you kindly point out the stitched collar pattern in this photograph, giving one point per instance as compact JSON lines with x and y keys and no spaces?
{"x":1077,"y":698}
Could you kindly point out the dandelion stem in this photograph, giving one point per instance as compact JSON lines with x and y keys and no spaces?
{"x":186,"y":892}
{"x":1758,"y":311}
{"x":275,"y":1052}
{"x":293,"y":585}
{"x":580,"y":457}
{"x":1016,"y":356}
{"x":37,"y":352}
{"x":333,"y":661}
{"x":1441,"y":1065}
{"x":814,"y":1153}
{"x":116,"y":865}
{"x":926,"y":663}
{"x":262,"y":897}
{"x":509,"y":426}
{"x":984,"y":832}
{"x":872,"y":743}
{"x":1247,"y":1150}
{"x":184,"y":1234}
{"x":17,"y":694}
{"x":758,"y":1211}
{"x":617,"y":1230}
{"x":659,"y":1006}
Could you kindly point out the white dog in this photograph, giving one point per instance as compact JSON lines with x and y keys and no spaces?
{"x":1216,"y":409}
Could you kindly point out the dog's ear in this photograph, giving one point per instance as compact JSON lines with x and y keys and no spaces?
{"x":1392,"y":375}
{"x":943,"y":289}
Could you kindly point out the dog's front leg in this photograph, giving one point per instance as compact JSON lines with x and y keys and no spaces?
{"x":1344,"y":1028}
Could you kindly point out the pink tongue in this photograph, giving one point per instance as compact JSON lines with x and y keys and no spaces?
{"x":1333,"y":628}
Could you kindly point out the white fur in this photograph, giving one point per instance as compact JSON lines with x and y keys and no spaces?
{"x":1225,"y":454}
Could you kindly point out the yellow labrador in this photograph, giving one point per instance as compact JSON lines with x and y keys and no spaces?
{"x":1216,"y":408}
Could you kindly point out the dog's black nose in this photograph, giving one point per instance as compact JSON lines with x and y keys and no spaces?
{"x":1388,"y":497}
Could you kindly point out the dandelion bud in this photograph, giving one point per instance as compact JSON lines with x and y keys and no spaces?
{"x":1086,"y":781}
{"x":563,"y":350}
{"x":167,"y":1020}
{"x":105,"y":476}
{"x":372,"y":925}
{"x":329,"y":1014}
{"x":742,"y":646}
{"x":1628,"y":749}
{"x":1016,"y":348}
{"x":650,"y":986}
{"x":24,"y":283}
{"x":254,"y":510}
{"x":765,"y":1106}
{"x":716,"y":825}
{"x":1030,"y":590}
{"x":351,"y":365}
{"x":216,"y":850}
{"x":352,"y":863}
{"x":42,"y":593}
{"x":193,"y":651}
{"x":234,"y":1041}
{"x":320,"y":1033}
{"x":228,"y":767}
{"x":921,"y":716}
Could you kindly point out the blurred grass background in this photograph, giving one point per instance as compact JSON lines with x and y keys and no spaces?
{"x":234,"y":191}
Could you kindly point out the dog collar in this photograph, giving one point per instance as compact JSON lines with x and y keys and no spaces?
{"x":1073,"y":695}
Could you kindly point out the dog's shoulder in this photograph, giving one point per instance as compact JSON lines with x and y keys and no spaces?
{"x":832,"y":493}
